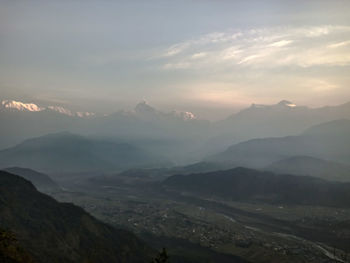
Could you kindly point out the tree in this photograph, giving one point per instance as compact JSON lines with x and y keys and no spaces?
{"x":162,"y":257}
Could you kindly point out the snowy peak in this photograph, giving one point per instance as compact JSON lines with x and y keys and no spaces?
{"x":60,"y":110}
{"x":144,"y":107}
{"x":20,"y":106}
{"x":145,"y":111}
{"x":286,"y":103}
{"x":84,"y":114}
{"x":183,"y":115}
{"x":65,"y":111}
{"x":13,"y":105}
{"x":281,"y":104}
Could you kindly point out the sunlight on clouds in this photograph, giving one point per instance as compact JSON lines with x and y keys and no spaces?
{"x":199,"y":55}
{"x":181,"y":65}
{"x":340,"y":44}
{"x":252,"y":58}
{"x":319,"y":85}
{"x":217,"y":92}
{"x":230,"y":53}
{"x":265,"y":47}
{"x":281,"y":43}
{"x":176,"y":49}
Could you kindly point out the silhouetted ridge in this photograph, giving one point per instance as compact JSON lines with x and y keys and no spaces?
{"x":41,"y":181}
{"x":306,"y":165}
{"x":62,"y":232}
{"x":247,"y":184}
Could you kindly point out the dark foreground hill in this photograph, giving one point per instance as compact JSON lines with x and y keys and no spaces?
{"x":11,"y":251}
{"x":61,"y":232}
{"x":252,"y":185}
{"x":41,"y":181}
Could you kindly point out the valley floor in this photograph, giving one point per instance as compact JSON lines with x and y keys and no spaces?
{"x":199,"y":229}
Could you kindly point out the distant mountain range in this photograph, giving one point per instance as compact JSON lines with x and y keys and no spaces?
{"x":12,"y":105}
{"x":242,"y":184}
{"x":326,"y":141}
{"x":168,"y":133}
{"x":178,"y":135}
{"x":282,"y":119}
{"x":60,"y":232}
{"x":70,"y":153}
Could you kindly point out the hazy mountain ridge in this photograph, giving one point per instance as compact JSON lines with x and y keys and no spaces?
{"x":66,"y":152}
{"x":305,"y":165}
{"x":324,"y":141}
{"x":178,"y":135}
{"x":252,"y":185}
{"x":281,"y":119}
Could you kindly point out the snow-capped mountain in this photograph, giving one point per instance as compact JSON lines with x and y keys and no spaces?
{"x":60,"y":110}
{"x":184,"y":115}
{"x":12,"y":105}
{"x":282,"y":104}
{"x":20,"y":106}
{"x":145,"y":111}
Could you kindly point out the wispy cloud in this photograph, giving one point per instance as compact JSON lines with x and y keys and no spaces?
{"x":339,"y":44}
{"x":176,"y":49}
{"x":263,"y":47}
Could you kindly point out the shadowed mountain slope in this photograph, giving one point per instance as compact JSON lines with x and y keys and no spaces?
{"x":252,"y":185}
{"x":62,"y":232}
{"x":41,"y":181}
{"x":305,"y":165}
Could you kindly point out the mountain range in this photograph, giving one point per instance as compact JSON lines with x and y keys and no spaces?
{"x":324,"y":141}
{"x":70,"y":153}
{"x":177,"y":135}
{"x":12,"y":105}
{"x":281,"y":119}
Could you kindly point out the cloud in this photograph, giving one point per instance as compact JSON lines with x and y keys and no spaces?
{"x":273,"y":47}
{"x":339,"y":44}
{"x":281,"y":43}
{"x":175,"y":49}
{"x":199,"y":55}
{"x":319,"y":85}
{"x":181,"y":65}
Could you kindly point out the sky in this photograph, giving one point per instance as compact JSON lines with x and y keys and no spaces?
{"x":208,"y":57}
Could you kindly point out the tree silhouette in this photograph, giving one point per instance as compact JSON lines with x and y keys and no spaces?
{"x":162,"y":257}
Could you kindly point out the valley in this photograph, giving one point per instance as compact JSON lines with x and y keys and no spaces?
{"x":256,"y":232}
{"x":278,"y":199}
{"x":175,"y":131}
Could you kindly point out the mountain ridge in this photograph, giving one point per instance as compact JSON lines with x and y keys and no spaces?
{"x":62,"y":232}
{"x":324,"y":144}
{"x":306,"y":165}
{"x":68,"y":152}
{"x":244,"y":184}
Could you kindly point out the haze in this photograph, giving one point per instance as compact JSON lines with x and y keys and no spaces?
{"x":208,"y":57}
{"x":175,"y":131}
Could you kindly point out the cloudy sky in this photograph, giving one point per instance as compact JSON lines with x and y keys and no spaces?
{"x":210,"y":57}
